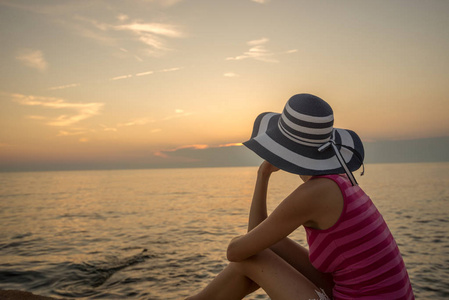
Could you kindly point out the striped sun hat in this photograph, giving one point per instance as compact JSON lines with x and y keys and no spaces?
{"x":302,"y":140}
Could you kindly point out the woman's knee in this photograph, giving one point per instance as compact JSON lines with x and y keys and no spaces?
{"x":241,"y":269}
{"x":245,"y":266}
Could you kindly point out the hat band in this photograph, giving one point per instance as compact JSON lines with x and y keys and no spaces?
{"x":340,"y":159}
{"x":302,"y":141}
{"x":308,"y":118}
{"x":303,"y":161}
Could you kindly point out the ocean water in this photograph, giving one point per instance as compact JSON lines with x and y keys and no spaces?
{"x":162,"y":234}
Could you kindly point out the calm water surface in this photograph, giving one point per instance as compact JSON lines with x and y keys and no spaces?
{"x":162,"y":234}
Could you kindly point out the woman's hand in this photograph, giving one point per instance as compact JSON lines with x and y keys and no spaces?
{"x":266,"y":168}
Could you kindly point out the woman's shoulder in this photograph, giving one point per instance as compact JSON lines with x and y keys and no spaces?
{"x":325,"y":183}
{"x":326,"y":198}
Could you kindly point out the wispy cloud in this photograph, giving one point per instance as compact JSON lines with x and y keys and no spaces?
{"x":178,"y":114}
{"x":261,"y":1}
{"x":230,"y":145}
{"x":61,"y":87}
{"x":170,"y":70}
{"x":152,"y":35}
{"x":33,"y":59}
{"x":122,"y":17}
{"x":75,"y":15}
{"x":164,"y":153}
{"x":192,"y":149}
{"x":258,"y":42}
{"x":81,"y":112}
{"x":152,"y":28}
{"x":258,"y":51}
{"x":122,"y":77}
{"x":106,"y":128}
{"x":142,"y":121}
{"x":164,"y":3}
{"x":145,"y":73}
{"x":61,"y":8}
{"x":73,"y":132}
{"x":231,"y":74}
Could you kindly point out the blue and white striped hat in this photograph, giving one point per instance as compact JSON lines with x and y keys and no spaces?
{"x":302,"y":140}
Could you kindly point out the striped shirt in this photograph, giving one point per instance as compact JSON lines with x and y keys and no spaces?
{"x":359,"y":250}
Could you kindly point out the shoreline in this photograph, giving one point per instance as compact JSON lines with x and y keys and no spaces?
{"x":22,"y":295}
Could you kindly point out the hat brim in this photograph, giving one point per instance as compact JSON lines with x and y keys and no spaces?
{"x":272,"y":145}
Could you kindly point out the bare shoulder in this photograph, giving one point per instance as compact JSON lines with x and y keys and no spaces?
{"x":319,"y":187}
{"x":325,"y":202}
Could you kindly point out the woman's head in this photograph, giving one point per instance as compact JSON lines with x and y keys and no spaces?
{"x":302,"y":140}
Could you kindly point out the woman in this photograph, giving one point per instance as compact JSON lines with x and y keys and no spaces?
{"x":352,"y":254}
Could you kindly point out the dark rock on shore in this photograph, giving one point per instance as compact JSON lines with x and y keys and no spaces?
{"x":20,"y":295}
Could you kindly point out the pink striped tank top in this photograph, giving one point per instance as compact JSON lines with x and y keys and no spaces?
{"x":359,"y":250}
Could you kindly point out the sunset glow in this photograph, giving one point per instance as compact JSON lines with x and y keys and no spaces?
{"x":126,"y":83}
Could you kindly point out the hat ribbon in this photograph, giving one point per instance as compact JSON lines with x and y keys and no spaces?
{"x":341,"y":160}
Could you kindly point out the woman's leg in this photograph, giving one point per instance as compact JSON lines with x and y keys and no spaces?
{"x":268,"y":270}
{"x":277,"y":277}
{"x":298,"y":257}
{"x":229,"y":284}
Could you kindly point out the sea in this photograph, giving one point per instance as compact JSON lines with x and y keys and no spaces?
{"x":163,"y":233}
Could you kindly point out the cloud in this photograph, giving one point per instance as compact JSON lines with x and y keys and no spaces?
{"x":231,"y":74}
{"x":209,"y":156}
{"x":122,"y":17}
{"x":153,"y":35}
{"x":178,"y":114}
{"x":122,"y":77}
{"x":106,"y":128}
{"x":61,"y":8}
{"x":142,"y":121}
{"x":170,"y":70}
{"x":71,"y":133}
{"x":260,"y":1}
{"x":145,"y":73}
{"x":258,"y":51}
{"x":33,"y":59}
{"x":230,"y":145}
{"x":64,"y":86}
{"x":164,"y":153}
{"x":163,"y":3}
{"x":81,"y":112}
{"x":135,"y":122}
{"x":152,"y":28}
{"x":75,"y":16}
{"x":258,"y":42}
{"x":39,"y":118}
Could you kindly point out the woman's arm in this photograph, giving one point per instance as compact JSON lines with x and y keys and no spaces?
{"x":317,"y":203}
{"x":291,"y":213}
{"x":258,"y":211}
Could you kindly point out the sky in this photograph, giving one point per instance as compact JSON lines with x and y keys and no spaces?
{"x":136,"y":82}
